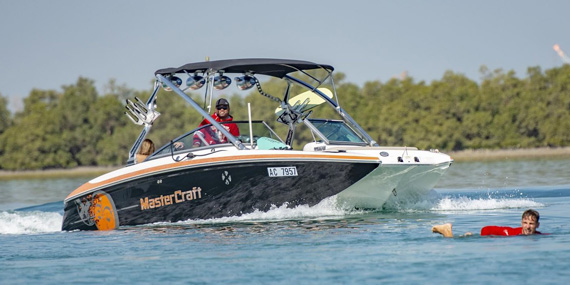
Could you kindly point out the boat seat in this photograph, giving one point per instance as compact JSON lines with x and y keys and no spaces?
{"x":266,"y":143}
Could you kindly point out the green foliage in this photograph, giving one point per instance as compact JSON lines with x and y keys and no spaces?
{"x":78,"y":127}
{"x":34,"y":140}
{"x":5,"y":118}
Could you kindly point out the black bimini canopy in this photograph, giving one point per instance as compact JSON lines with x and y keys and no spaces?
{"x":267,"y":66}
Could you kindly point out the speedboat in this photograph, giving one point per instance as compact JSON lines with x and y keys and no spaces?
{"x":199,"y":175}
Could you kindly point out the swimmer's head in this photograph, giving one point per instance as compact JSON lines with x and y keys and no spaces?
{"x":529,"y":222}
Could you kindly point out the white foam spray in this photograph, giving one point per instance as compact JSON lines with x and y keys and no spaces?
{"x":469,"y":204}
{"x":436,"y":202}
{"x":328,"y":208}
{"x":29,"y":222}
{"x":37,"y":222}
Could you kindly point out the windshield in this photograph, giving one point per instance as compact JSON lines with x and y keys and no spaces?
{"x":208,"y":136}
{"x":336,"y":131}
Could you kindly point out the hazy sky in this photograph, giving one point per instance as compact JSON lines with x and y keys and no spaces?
{"x":47,"y":44}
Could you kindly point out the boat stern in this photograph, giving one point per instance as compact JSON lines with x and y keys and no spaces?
{"x":94,"y":211}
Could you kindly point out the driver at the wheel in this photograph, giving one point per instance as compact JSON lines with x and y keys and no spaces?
{"x":222,"y":114}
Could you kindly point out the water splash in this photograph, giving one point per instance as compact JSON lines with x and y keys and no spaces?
{"x":469,"y":204}
{"x":466,"y":201}
{"x":37,"y":221}
{"x":328,"y":208}
{"x":30,"y":222}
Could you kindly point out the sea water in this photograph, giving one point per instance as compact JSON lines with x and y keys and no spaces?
{"x":322,"y":244}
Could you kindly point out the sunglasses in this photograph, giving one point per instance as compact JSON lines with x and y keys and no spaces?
{"x":222,"y":107}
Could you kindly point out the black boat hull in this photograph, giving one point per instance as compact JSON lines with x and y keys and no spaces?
{"x":210,"y":191}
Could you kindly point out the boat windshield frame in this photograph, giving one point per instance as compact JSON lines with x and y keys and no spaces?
{"x":343,"y":129}
{"x":336,"y":106}
{"x":170,"y":148}
{"x":280,"y":68}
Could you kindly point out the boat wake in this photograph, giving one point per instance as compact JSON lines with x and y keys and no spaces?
{"x":326,"y":209}
{"x":470,"y":204}
{"x":497,"y":199}
{"x":460,"y":201}
{"x":47,"y":218}
{"x":34,"y":222}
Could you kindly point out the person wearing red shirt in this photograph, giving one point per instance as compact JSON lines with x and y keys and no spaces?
{"x":212,"y":135}
{"x":529,"y":224}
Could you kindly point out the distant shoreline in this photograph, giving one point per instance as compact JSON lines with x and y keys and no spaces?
{"x":458,"y":156}
{"x":82,"y":171}
{"x":510,"y":154}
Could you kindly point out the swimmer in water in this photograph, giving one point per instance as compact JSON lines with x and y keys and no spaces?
{"x":529,"y":224}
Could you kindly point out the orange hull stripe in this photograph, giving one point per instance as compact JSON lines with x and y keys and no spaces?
{"x":88,"y":186}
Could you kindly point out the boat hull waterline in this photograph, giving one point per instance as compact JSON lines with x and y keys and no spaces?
{"x":209,"y":191}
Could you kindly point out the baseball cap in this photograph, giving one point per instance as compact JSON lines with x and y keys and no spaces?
{"x":222,"y":102}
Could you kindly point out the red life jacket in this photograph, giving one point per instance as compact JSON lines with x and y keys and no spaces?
{"x":232,"y":128}
{"x":215,"y":137}
{"x":501,"y":231}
